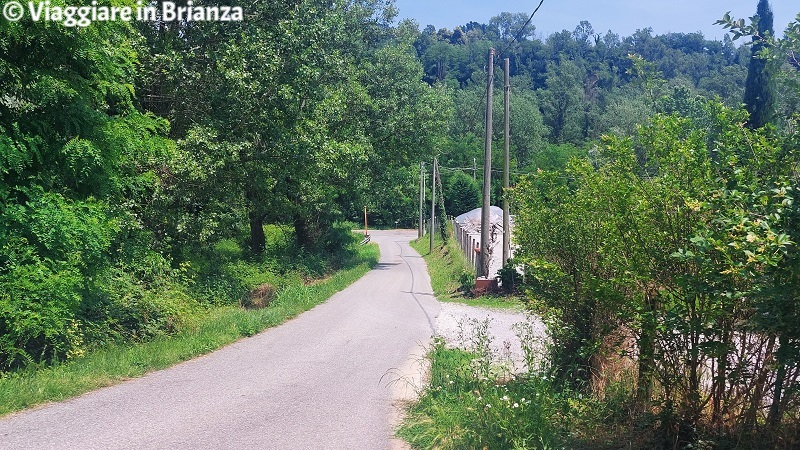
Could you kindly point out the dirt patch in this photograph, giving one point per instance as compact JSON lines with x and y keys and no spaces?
{"x":458,"y":324}
{"x":405,"y":384}
{"x":260,"y":297}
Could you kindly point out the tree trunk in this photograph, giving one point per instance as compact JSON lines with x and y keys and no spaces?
{"x":646,"y":351}
{"x":257,"y":239}
{"x":301,"y":232}
{"x":775,"y":413}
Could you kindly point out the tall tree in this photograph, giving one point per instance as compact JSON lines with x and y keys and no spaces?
{"x":759,"y":91}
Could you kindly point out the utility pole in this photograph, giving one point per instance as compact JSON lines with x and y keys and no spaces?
{"x":506,"y":169}
{"x":421,"y":231}
{"x":366,"y":230}
{"x":433,"y":198}
{"x":487,"y":172}
{"x":474,"y":167}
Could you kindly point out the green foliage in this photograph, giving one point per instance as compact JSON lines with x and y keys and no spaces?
{"x":117,"y":224}
{"x":759,"y":90}
{"x":562,"y":101}
{"x":467,"y":281}
{"x":509,"y":276}
{"x":672,"y":240}
{"x":773,"y":61}
{"x":554,"y":156}
{"x":462,"y":194}
{"x":462,"y":408}
{"x":203,"y":331}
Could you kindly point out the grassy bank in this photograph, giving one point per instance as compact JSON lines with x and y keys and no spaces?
{"x":470,"y":406}
{"x":452,"y":275}
{"x":205,"y":330}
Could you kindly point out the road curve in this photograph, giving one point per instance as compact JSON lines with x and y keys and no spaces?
{"x":320,"y":381}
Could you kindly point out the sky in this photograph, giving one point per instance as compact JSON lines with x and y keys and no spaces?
{"x":623,"y":17}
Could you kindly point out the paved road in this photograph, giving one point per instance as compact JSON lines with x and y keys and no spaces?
{"x":320,"y":381}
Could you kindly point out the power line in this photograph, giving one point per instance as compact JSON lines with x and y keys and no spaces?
{"x":455,"y":169}
{"x":521,"y":30}
{"x":515,"y":38}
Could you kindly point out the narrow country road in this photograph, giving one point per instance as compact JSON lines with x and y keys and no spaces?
{"x":320,"y":381}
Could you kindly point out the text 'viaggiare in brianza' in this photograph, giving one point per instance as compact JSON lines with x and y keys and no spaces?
{"x":83,"y":16}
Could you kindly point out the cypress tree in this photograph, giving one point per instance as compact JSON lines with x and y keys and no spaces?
{"x":759,"y":91}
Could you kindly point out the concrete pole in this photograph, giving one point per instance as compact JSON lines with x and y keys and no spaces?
{"x":421,"y":231}
{"x":433,"y":198}
{"x":487,"y":171}
{"x":506,"y":169}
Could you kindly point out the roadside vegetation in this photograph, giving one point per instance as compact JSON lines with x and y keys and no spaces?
{"x":241,"y":298}
{"x":468,"y":404}
{"x":152,"y":171}
{"x":168,"y":187}
{"x":453,"y":276}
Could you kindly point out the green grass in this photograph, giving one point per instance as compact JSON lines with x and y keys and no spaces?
{"x":446,"y":266}
{"x":206,"y":331}
{"x":462,"y":409}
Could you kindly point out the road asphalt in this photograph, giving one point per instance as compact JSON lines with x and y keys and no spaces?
{"x":327,"y":379}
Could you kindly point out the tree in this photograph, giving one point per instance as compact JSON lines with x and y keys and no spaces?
{"x":307,"y":106}
{"x":562,"y":101}
{"x":759,"y":89}
{"x":78,"y":166}
{"x":462,"y":194}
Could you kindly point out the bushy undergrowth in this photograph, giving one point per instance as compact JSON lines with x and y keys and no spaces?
{"x":477,"y":399}
{"x":203,"y":331}
{"x":58,"y":308}
{"x":470,"y":401}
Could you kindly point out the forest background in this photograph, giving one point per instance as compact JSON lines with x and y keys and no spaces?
{"x":152,"y":169}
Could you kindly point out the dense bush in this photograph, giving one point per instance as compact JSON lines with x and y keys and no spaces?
{"x":682,"y":242}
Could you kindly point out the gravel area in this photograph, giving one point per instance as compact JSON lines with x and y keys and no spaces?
{"x":471,"y":328}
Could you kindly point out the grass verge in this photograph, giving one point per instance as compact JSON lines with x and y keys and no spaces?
{"x":464,"y":409}
{"x":448,"y":266}
{"x":207,"y":330}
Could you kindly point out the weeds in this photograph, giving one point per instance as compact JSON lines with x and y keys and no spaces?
{"x":469,"y":404}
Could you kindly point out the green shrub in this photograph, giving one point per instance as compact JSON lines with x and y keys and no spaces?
{"x":121,"y":307}
{"x":467,"y":281}
{"x":38,"y":315}
{"x":509,"y":277}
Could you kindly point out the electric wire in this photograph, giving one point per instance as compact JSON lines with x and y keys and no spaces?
{"x":514,"y":38}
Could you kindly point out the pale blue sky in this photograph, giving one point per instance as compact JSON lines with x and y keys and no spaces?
{"x":620,"y":16}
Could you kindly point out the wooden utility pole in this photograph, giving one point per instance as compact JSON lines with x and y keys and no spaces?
{"x":433,"y":198}
{"x":421,"y":231}
{"x":506,"y":169}
{"x":487,"y":172}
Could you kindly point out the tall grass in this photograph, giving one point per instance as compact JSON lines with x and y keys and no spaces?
{"x":205,"y":331}
{"x":452,"y":275}
{"x":465,"y":407}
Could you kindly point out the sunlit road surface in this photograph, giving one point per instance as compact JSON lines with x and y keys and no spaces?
{"x":325,"y":380}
